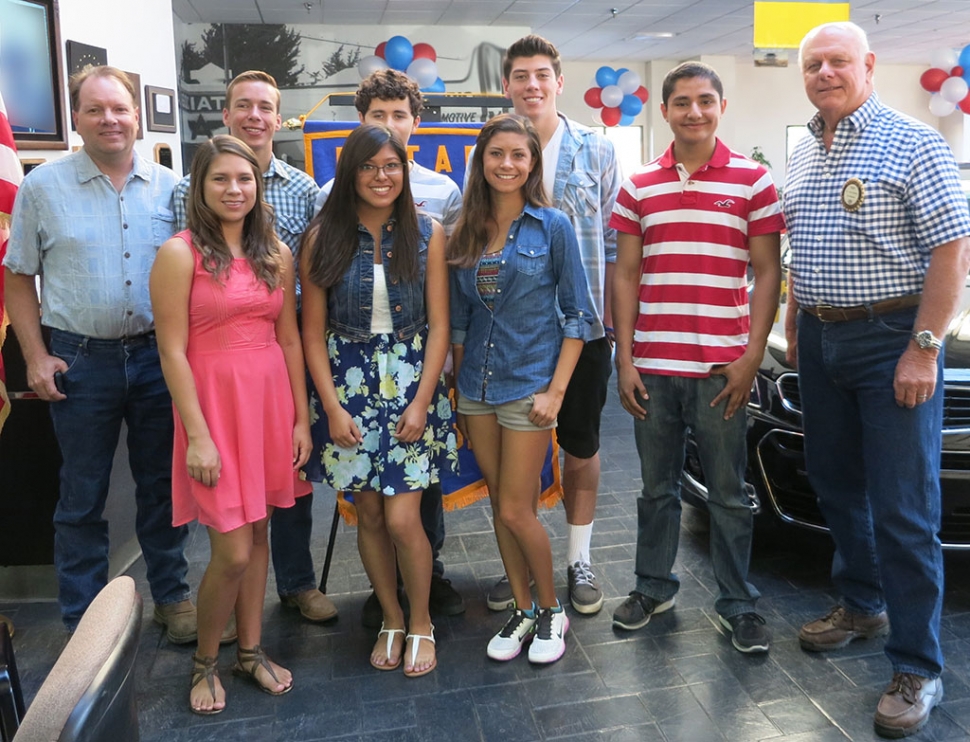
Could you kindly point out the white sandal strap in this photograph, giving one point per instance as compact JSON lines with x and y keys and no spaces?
{"x":390,"y":639}
{"x":416,"y":644}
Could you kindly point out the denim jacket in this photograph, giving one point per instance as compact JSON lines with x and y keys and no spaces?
{"x":512,"y":351}
{"x":349,"y":306}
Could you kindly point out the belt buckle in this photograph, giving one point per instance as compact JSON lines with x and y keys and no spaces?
{"x":821,"y":309}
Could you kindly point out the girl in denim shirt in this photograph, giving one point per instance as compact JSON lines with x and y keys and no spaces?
{"x":514,"y":256}
{"x":375,"y":334}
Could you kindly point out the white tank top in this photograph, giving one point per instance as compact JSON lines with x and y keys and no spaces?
{"x":380,"y":321}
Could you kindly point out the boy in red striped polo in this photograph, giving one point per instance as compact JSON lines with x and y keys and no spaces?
{"x":689,"y":341}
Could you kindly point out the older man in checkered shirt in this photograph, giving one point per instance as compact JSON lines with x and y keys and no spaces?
{"x":878,"y":228}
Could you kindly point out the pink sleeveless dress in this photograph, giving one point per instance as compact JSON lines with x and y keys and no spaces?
{"x":244,"y":390}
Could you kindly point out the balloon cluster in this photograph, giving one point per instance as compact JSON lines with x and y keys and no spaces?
{"x":417,"y":61}
{"x":618,"y":93}
{"x":948,"y":79}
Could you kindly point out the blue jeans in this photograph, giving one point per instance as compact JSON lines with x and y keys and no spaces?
{"x":108,"y":381}
{"x":875,"y":469}
{"x":290,"y":545}
{"x":675,"y":404}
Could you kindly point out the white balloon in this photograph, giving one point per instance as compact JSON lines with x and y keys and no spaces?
{"x":629,"y":82}
{"x":611,"y":96}
{"x":954,"y":89}
{"x":368,"y":65}
{"x":598,"y":117}
{"x":423,"y":71}
{"x":940,"y":106}
{"x":944,"y":59}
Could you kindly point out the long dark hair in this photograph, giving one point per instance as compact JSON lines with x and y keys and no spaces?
{"x":331,"y":240}
{"x":259,"y":243}
{"x":470,"y":236}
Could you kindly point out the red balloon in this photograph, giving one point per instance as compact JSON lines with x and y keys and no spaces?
{"x":932,"y":79}
{"x":379,"y":51}
{"x":425,"y":51}
{"x":964,"y":105}
{"x":611,"y":116}
{"x":593,"y":98}
{"x":956,"y":71}
{"x":641,"y":93}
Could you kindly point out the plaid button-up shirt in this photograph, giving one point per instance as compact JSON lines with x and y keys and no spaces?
{"x":911,"y":203}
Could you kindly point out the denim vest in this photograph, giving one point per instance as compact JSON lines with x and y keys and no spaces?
{"x":349,"y":302}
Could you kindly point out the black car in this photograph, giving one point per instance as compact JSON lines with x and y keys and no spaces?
{"x":776,"y":475}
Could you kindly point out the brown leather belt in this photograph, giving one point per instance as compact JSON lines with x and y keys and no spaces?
{"x":828,"y":313}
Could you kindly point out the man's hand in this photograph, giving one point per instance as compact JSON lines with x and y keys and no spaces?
{"x":915,"y":379}
{"x":40,"y":377}
{"x":740,"y":376}
{"x":630,"y":386}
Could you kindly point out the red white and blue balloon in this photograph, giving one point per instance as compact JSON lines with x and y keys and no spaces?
{"x":617,"y":96}
{"x":948,"y":81}
{"x":417,"y":61}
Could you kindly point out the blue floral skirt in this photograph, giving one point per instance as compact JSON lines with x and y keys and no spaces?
{"x":376,"y":380}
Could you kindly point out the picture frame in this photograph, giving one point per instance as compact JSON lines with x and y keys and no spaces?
{"x":31,"y":77}
{"x":136,"y":84}
{"x":81,"y":55}
{"x":160,"y":108}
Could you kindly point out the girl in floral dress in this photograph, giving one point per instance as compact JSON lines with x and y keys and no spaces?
{"x":375,"y":335}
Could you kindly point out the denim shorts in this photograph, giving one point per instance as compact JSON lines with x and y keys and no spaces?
{"x":512,"y":415}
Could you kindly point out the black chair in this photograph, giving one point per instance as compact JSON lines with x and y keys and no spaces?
{"x":89,"y":695}
{"x":11,"y":697}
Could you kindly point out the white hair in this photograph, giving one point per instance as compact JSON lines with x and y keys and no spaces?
{"x":847,"y":26}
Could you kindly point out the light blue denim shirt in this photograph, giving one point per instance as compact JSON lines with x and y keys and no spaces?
{"x":512,"y":351}
{"x":92,"y":246}
{"x":350,"y":302}
{"x":588,"y":180}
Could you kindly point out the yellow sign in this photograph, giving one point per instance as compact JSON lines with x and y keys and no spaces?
{"x":784,"y":25}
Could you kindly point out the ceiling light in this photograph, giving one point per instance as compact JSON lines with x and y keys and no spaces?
{"x":649,"y":35}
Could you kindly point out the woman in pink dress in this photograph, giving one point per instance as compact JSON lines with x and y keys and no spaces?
{"x":223,"y":293}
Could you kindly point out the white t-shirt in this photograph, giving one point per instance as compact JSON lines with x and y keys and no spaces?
{"x":550,"y":159}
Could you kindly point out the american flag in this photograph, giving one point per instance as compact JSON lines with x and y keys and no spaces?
{"x":10,"y":176}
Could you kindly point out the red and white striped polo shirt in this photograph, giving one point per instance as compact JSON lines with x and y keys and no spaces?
{"x":695,"y":228}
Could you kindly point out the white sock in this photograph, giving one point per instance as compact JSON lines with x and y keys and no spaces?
{"x":579,"y":537}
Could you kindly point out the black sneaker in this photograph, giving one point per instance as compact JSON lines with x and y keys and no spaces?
{"x":444,"y":600}
{"x":636,"y":611}
{"x":748,"y":632}
{"x":372,"y":615}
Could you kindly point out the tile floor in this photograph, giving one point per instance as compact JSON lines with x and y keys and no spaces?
{"x":678,"y":679}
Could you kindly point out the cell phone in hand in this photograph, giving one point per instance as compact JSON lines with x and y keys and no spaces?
{"x":59,"y":381}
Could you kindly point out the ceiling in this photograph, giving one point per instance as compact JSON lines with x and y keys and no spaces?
{"x":900,"y":31}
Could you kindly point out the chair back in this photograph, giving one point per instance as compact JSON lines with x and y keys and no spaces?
{"x":89,"y":695}
{"x":11,"y":697}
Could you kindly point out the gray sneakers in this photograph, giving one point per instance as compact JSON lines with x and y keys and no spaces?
{"x":584,"y":590}
{"x":636,"y":611}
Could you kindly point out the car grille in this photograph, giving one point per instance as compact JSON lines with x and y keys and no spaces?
{"x":791,"y":398}
{"x":956,"y":401}
{"x":956,"y":407}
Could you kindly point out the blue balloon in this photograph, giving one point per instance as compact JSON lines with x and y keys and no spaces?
{"x":630,"y":105}
{"x":438,"y":86}
{"x":605,"y":76}
{"x":964,"y":58}
{"x":398,"y":53}
{"x":626,"y":120}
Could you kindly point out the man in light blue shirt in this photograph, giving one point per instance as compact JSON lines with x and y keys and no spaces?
{"x":89,"y":225}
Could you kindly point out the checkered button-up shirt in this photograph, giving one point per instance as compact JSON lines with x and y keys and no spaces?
{"x":912,"y":203}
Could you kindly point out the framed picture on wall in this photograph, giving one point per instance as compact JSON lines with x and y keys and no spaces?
{"x":30,"y":73}
{"x":81,"y":55}
{"x":160,"y":108}
{"x":136,"y":84}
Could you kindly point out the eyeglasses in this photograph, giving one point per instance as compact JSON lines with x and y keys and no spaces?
{"x":389,"y":170}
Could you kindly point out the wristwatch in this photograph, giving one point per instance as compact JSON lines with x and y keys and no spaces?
{"x":927,"y":340}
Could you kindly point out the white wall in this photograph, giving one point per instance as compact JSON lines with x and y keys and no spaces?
{"x":762,"y":102}
{"x":138,"y":37}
